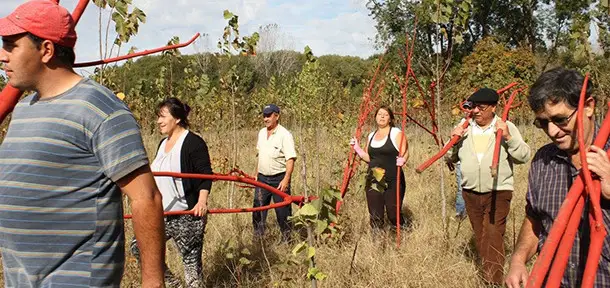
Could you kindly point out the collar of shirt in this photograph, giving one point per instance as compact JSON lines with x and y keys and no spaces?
{"x":563,"y":155}
{"x":475,"y":125}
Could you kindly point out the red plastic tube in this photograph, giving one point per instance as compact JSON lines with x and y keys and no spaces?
{"x":496,"y":155}
{"x":8,"y":99}
{"x":598,"y":232}
{"x":142,"y":53}
{"x":78,"y":10}
{"x":288,"y":199}
{"x":454,"y":139}
{"x":445,"y":149}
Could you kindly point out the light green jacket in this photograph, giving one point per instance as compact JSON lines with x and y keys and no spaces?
{"x":477,"y":176}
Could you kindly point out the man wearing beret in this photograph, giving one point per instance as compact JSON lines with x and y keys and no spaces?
{"x":71,"y":151}
{"x":276,"y":156}
{"x":488,"y":199}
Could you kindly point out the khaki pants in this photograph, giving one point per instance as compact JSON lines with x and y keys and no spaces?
{"x":487,"y":213}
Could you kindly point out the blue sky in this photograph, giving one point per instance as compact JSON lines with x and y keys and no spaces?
{"x":328,"y":26}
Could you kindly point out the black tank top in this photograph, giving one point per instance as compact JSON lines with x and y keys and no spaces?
{"x":384,"y":157}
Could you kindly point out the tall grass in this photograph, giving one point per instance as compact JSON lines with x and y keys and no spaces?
{"x":429,"y":255}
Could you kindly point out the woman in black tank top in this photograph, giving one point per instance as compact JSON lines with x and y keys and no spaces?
{"x":381,"y":173}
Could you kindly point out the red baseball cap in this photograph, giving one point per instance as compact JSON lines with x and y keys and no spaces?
{"x":43,"y":18}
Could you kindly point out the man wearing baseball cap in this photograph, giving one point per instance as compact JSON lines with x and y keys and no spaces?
{"x":487,"y":199}
{"x":276,"y":156}
{"x":71,"y":148}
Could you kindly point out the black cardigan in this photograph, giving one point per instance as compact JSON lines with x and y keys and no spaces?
{"x":194,"y":158}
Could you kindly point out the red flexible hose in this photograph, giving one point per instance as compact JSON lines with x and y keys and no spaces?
{"x":496,"y":155}
{"x":454,"y":139}
{"x":288,"y":199}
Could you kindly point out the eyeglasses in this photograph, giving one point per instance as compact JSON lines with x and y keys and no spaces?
{"x":481,"y":107}
{"x":558,"y":121}
{"x":469,"y":105}
{"x":267,"y":115}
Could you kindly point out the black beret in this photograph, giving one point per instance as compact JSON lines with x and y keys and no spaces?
{"x":484,"y":95}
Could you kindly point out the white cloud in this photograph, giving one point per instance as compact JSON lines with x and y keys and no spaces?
{"x":328,"y":27}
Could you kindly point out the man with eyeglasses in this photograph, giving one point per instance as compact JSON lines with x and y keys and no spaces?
{"x":487,"y":199}
{"x":276,"y":156}
{"x":554,"y":99}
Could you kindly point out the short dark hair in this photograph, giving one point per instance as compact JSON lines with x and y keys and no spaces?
{"x":177,"y":109}
{"x":64,"y":54}
{"x":558,"y":85}
{"x":386,"y":108}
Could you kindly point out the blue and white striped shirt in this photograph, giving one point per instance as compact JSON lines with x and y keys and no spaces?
{"x":61,"y":217}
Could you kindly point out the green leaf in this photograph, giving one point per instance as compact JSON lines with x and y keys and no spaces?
{"x":320,"y":227}
{"x":307,"y":50}
{"x":315,"y":273}
{"x":227,"y":15}
{"x":375,"y":187}
{"x":100,"y":3}
{"x":320,"y":276}
{"x":245,"y":251}
{"x":299,"y":248}
{"x":317,"y":203}
{"x":121,"y":7}
{"x":465,"y":6}
{"x":311,"y":251}
{"x":458,"y":38}
{"x":139,"y":14}
{"x":378,"y":173}
{"x":244,"y":261}
{"x":229,"y":255}
{"x":308,"y":210}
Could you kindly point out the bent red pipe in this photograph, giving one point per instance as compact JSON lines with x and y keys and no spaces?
{"x":496,"y":156}
{"x":78,"y":10}
{"x":288,"y":199}
{"x":286,"y":202}
{"x":445,"y":149}
{"x":142,"y":53}
{"x":454,"y":139}
{"x":560,"y":261}
{"x":598,"y":231}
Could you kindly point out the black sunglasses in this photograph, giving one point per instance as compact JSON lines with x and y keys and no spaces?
{"x":558,"y":121}
{"x":267,"y":115}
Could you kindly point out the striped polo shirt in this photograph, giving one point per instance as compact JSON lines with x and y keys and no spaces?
{"x":61,"y":218}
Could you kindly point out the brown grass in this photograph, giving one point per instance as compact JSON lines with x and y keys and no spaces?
{"x":429,"y":256}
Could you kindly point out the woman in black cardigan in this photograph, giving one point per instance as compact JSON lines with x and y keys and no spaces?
{"x":183,"y":152}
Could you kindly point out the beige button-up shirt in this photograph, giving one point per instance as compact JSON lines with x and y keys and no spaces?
{"x":275,"y":150}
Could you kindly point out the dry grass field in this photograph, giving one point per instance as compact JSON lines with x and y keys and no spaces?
{"x":429,"y":256}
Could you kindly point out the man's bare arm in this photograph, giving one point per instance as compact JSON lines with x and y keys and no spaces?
{"x":148,"y":226}
{"x":527,"y":245}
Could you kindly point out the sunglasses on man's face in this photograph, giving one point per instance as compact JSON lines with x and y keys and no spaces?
{"x":267,"y":115}
{"x":558,"y":121}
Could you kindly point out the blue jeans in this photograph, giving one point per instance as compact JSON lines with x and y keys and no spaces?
{"x":263,"y":197}
{"x":460,"y":206}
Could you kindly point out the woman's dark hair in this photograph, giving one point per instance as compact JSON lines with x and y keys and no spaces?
{"x":64,"y":54}
{"x":386,"y":108}
{"x":177,"y":109}
{"x":558,"y":85}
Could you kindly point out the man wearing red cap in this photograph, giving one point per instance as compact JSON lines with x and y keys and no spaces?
{"x":488,"y":199}
{"x":71,"y":148}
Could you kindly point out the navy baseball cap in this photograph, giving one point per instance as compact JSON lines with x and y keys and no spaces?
{"x":271,"y":108}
